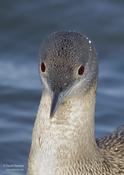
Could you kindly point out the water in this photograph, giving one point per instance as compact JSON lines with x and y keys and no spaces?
{"x":23,"y":25}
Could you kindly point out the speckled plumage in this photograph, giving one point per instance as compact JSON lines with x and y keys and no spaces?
{"x":65,"y":144}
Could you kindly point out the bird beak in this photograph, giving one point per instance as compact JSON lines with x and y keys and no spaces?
{"x":55,"y":102}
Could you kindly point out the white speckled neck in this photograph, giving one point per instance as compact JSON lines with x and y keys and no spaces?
{"x":66,"y":138}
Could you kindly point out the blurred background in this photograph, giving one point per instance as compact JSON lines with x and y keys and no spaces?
{"x":23,"y":26}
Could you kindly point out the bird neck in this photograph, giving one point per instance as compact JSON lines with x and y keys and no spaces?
{"x":72,"y":127}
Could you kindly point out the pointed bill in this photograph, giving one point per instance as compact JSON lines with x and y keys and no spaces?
{"x":54,"y":103}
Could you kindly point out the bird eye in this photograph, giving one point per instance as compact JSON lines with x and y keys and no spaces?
{"x":81,"y":70}
{"x":42,"y":67}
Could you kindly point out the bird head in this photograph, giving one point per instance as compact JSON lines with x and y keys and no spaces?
{"x":68,"y":65}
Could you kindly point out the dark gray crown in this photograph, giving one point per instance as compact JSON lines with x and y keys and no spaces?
{"x":63,"y":53}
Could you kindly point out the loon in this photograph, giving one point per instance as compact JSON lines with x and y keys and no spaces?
{"x":63,"y":140}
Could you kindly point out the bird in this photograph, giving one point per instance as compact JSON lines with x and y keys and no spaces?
{"x":63,"y":139}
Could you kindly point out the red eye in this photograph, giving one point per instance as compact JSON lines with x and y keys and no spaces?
{"x":42,"y":67}
{"x":81,"y":70}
